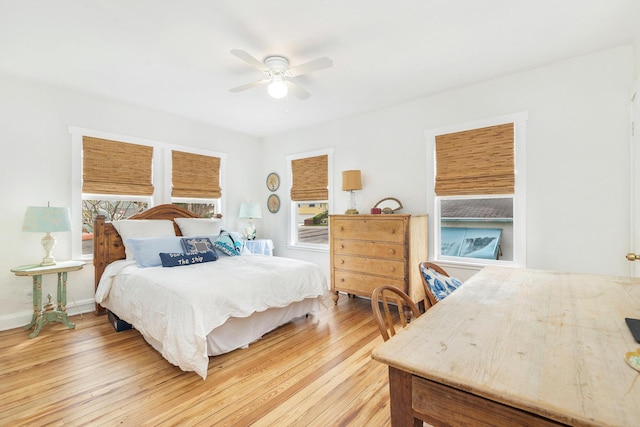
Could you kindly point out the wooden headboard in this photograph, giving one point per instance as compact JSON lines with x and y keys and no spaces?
{"x":107,"y":243}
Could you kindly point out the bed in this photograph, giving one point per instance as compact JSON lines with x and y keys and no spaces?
{"x":190,"y":312}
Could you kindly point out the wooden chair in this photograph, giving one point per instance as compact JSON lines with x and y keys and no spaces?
{"x":431,"y":298}
{"x":389,"y":295}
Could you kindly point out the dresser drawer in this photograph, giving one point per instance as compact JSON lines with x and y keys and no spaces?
{"x":370,"y":249}
{"x":360,"y":284}
{"x":381,"y":230}
{"x":380,"y":267}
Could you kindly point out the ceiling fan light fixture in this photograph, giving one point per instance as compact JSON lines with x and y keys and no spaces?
{"x":277,"y":88}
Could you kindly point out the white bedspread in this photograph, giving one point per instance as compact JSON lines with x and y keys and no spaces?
{"x":179,"y":306}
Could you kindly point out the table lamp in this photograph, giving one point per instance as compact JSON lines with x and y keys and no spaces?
{"x":351,"y":181}
{"x":250,"y":211}
{"x":47,"y":219}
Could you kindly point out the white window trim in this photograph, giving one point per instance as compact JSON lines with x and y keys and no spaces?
{"x":292,"y":225}
{"x":161,"y":175}
{"x":519,"y":199}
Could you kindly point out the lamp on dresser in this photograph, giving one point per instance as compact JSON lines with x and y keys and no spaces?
{"x":47,"y":219}
{"x":351,"y":181}
{"x":250,"y":211}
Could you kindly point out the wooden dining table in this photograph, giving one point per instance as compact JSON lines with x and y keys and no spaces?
{"x":519,"y":347}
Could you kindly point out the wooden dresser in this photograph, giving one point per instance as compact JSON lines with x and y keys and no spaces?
{"x":372,"y":250}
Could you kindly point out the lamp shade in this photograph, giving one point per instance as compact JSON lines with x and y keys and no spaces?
{"x":351,"y":180}
{"x":250,"y":210}
{"x":46,"y":219}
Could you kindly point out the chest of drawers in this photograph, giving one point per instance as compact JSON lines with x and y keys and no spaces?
{"x":372,"y":250}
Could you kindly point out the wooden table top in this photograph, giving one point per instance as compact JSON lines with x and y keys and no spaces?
{"x":546,"y":342}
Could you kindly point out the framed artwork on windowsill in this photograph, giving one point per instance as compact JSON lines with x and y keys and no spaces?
{"x":273,"y":203}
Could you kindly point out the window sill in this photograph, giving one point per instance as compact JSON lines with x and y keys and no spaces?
{"x":309,"y":248}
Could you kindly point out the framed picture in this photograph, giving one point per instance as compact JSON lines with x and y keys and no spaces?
{"x":273,"y":203}
{"x":273,"y":181}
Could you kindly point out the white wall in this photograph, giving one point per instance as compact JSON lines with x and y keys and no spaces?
{"x":577,"y":163}
{"x":577,"y":157}
{"x":35,"y":168}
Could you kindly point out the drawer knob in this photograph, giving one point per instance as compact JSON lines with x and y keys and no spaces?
{"x":341,"y":261}
{"x":393,"y":231}
{"x":392,"y":251}
{"x":341,"y":246}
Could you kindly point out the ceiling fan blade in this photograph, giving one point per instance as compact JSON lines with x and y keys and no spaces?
{"x":248,"y":58}
{"x":249,"y":85}
{"x":315,"y":65}
{"x":297,"y":90}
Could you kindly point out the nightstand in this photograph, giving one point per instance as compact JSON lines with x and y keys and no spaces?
{"x":260,"y":246}
{"x":50,"y":313}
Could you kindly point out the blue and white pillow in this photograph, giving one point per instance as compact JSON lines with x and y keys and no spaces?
{"x":196,"y":244}
{"x":441,"y":286}
{"x":229,"y":243}
{"x":178,"y":259}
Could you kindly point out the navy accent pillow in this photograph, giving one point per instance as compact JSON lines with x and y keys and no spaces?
{"x":180,"y":259}
{"x":196,"y":244}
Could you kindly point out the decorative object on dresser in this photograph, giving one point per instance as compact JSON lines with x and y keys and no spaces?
{"x":273,"y":181}
{"x":388,"y":205}
{"x":351,"y":181}
{"x":368,"y":251}
{"x":47,"y":220}
{"x":250,"y":211}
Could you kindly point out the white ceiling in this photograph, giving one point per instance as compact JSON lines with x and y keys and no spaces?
{"x":173,"y":56}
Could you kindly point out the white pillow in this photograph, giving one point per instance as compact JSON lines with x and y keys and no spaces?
{"x":142,"y":228}
{"x":196,"y":227}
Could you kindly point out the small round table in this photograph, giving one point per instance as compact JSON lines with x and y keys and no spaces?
{"x":51,"y":314}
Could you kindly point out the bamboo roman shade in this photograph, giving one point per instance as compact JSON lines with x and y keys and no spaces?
{"x":195,"y":175}
{"x":476,"y":162}
{"x":114,"y":167}
{"x":310,"y":178}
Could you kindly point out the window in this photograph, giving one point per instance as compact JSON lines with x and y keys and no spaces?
{"x":310,"y":195}
{"x":478,"y":196}
{"x":195,"y":182}
{"x":121,"y":176}
{"x":117,"y":182}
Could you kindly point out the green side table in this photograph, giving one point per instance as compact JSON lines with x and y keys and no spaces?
{"x":42,"y":316}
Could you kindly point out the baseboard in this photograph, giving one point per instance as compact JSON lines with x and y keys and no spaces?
{"x":21,"y":318}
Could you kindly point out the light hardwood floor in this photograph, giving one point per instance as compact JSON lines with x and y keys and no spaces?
{"x":315,"y":371}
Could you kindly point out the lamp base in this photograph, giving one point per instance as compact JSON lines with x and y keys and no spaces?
{"x":48,"y":243}
{"x":250,"y":231}
{"x":351,"y":212}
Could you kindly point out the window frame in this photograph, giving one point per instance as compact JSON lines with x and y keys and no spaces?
{"x":161,"y":177}
{"x":292,"y":233}
{"x":519,"y":197}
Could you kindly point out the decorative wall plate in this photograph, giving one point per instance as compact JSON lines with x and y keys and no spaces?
{"x":273,"y":203}
{"x":273,"y":181}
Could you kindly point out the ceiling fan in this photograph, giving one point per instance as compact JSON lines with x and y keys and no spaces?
{"x":279,"y":75}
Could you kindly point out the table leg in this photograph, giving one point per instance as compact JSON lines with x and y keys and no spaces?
{"x":62,"y":300}
{"x":36,"y":293}
{"x":37,"y":320}
{"x":400,"y":393}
